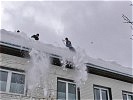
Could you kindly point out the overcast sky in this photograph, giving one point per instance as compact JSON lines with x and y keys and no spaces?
{"x":96,"y":26}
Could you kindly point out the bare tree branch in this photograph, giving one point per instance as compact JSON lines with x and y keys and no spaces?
{"x":127,"y":19}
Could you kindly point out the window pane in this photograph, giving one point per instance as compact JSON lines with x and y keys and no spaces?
{"x":104,"y":95}
{"x":130,"y":97}
{"x":71,"y":91}
{"x":55,"y":61}
{"x":61,"y":90}
{"x":97,"y":94}
{"x":124,"y":97}
{"x":17,"y":83}
{"x":3,"y":80}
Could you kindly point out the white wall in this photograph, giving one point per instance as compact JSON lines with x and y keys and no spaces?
{"x":13,"y":61}
{"x":115,"y":85}
{"x":56,"y":71}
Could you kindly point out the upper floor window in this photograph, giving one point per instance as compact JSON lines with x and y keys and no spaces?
{"x":101,"y":93}
{"x":127,"y":96}
{"x":14,"y":51}
{"x":66,"y":90}
{"x":55,"y":61}
{"x":12,"y":81}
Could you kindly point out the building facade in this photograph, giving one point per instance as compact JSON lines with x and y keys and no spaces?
{"x":105,"y":80}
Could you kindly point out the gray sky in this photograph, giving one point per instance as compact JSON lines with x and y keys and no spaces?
{"x":82,"y":22}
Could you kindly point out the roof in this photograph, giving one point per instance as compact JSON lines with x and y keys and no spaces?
{"x":21,"y":41}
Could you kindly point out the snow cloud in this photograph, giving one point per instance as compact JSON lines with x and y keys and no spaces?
{"x":83,"y":22}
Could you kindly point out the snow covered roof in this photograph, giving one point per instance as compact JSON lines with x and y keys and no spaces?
{"x":21,"y":41}
{"x":110,"y":66}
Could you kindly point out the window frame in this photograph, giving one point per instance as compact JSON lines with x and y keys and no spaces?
{"x":109,"y":95}
{"x":52,"y":56}
{"x":67,"y":81}
{"x":127,"y":94}
{"x":8,"y":84}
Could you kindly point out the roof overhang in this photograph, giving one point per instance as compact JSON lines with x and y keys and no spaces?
{"x":19,"y":51}
{"x":98,"y":70}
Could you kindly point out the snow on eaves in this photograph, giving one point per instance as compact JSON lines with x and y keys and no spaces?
{"x":111,"y":66}
{"x":22,"y":40}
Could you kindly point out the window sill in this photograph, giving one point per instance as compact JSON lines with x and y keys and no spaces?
{"x":9,"y":93}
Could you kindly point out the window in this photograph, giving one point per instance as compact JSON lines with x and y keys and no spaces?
{"x":14,"y":51}
{"x":3,"y":80}
{"x":66,"y":90}
{"x":101,"y":93}
{"x":71,"y":91}
{"x":12,"y":81}
{"x":127,"y":96}
{"x":61,"y":90}
{"x":55,"y":60}
{"x":17,"y":83}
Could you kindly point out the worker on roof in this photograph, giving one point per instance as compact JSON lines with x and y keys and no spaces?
{"x":68,"y":44}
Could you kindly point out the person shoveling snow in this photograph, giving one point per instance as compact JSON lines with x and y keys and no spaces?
{"x":68,"y":44}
